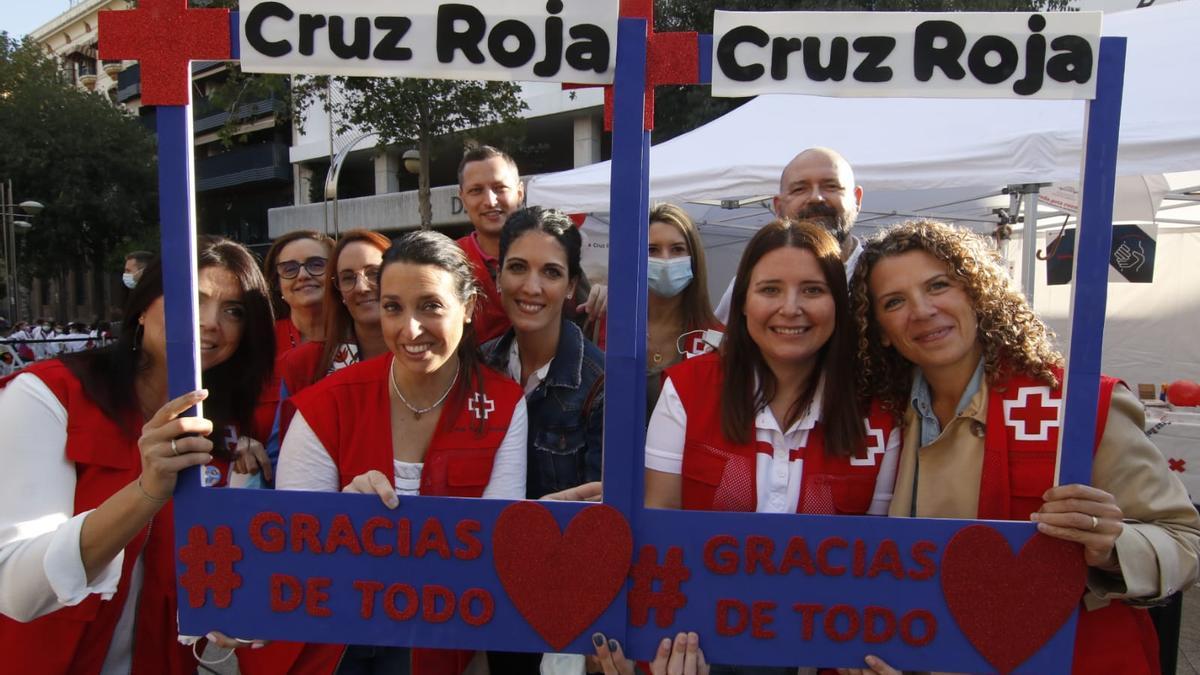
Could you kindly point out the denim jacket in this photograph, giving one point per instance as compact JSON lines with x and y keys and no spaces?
{"x":566,"y":412}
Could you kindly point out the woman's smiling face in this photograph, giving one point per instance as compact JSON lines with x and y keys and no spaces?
{"x":422,"y":316}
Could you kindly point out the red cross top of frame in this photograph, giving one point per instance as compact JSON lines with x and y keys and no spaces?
{"x":165,"y":36}
{"x":671,"y":58}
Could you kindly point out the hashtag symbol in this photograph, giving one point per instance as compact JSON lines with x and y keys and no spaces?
{"x":210,"y":566}
{"x":646,"y":572}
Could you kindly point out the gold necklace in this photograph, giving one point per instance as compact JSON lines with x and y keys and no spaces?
{"x":417,"y":412}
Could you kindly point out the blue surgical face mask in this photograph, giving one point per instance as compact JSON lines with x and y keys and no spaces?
{"x":128,"y":280}
{"x":669,"y":276}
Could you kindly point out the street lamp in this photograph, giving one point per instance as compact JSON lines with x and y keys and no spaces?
{"x":9,"y":226}
{"x":416,"y":162}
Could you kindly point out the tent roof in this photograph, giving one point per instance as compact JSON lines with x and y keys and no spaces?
{"x":908,"y":144}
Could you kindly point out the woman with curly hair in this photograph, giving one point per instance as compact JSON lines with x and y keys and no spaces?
{"x":947,"y":342}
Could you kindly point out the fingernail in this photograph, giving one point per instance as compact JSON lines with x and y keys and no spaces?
{"x":665,"y":644}
{"x":258,"y":645}
{"x":1033,"y":516}
{"x":393,"y":502}
{"x":598,"y":639}
{"x":613,"y":646}
{"x":211,"y":637}
{"x":872,"y":661}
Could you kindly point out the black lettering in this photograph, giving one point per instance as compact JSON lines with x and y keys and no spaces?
{"x":467,"y":41}
{"x":526,"y":43}
{"x":1073,"y":66}
{"x":1035,"y":58}
{"x":781,"y":49}
{"x":549,"y":65}
{"x":1144,"y":3}
{"x":977,"y":61}
{"x":309,"y":25}
{"x":590,"y":48}
{"x":389,"y":48}
{"x":876,"y":48}
{"x":839,"y":50}
{"x":254,"y":24}
{"x":726,"y":59}
{"x":926,"y":56}
{"x":360,"y":48}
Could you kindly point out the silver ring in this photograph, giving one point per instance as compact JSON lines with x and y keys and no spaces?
{"x":1095,"y":522}
{"x":173,"y":448}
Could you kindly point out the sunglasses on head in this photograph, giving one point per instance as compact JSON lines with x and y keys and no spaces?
{"x":289,"y":269}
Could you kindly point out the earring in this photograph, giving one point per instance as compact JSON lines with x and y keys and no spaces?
{"x":137,"y":338}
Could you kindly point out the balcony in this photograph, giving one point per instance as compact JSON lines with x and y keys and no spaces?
{"x":207,"y":117}
{"x":242,"y":165}
{"x":129,"y":83}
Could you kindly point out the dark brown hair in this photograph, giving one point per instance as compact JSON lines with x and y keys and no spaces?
{"x":479,"y":153}
{"x":696,"y":305}
{"x":339,"y":325}
{"x":742,"y":362}
{"x":282,"y":311}
{"x":107,"y":374}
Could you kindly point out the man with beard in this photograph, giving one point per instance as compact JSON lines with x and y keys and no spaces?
{"x":818,"y":184}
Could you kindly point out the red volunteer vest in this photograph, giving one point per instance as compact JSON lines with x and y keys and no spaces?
{"x":490,"y":320}
{"x":349,"y":411}
{"x":75,"y":640}
{"x":1020,"y":451}
{"x":720,"y":475}
{"x":286,"y":336}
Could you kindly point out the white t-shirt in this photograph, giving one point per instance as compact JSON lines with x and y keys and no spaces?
{"x":305,"y":464}
{"x":41,"y":569}
{"x":778,"y":478}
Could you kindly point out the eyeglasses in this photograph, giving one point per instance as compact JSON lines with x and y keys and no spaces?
{"x":348,"y":279}
{"x":289,"y":269}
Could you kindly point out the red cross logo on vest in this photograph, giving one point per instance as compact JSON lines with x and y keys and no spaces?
{"x":481,"y":405}
{"x":1032,"y":414}
{"x":876,"y":446}
{"x":165,"y":35}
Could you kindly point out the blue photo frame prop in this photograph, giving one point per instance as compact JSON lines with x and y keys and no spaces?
{"x":761,"y":589}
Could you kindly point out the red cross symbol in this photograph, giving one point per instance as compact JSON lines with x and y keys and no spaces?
{"x":481,"y":405}
{"x":1032,"y":414}
{"x":164,"y":35}
{"x":671,"y":58}
{"x":1177,"y":465}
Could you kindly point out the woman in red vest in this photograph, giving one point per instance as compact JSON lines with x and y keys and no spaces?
{"x":951,"y":345}
{"x":296,"y":272}
{"x":91,"y":452}
{"x":426,"y":418}
{"x":351,"y":318}
{"x":772,"y":422}
{"x":680,"y":314}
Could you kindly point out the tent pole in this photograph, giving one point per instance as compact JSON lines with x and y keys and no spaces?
{"x":1029,"y":242}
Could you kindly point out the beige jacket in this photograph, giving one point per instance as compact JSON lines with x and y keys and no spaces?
{"x":1159,"y":549}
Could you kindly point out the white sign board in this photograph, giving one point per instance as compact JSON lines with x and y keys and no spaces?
{"x":528,"y":40}
{"x":1050,"y":55}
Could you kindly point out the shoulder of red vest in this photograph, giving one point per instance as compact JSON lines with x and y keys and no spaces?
{"x":54,"y":374}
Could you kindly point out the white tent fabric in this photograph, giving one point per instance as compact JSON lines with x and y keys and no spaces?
{"x":910,"y":144}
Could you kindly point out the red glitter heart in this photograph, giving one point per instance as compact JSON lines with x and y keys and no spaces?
{"x":561,"y":582}
{"x":1009,"y":606}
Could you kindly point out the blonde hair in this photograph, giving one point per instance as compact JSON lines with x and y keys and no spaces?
{"x":1013,"y":339}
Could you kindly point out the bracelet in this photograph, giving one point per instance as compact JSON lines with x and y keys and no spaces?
{"x":147,"y":495}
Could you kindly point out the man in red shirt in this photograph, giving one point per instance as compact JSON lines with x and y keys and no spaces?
{"x":490,"y":188}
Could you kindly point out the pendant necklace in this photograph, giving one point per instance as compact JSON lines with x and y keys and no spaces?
{"x":417,"y":412}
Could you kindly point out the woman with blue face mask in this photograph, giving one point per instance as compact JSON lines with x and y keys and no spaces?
{"x":681,"y":321}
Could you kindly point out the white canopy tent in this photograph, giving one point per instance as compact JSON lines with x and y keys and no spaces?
{"x":951,"y":160}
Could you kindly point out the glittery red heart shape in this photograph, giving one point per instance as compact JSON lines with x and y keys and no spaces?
{"x":561,"y":582}
{"x":1009,"y":606}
